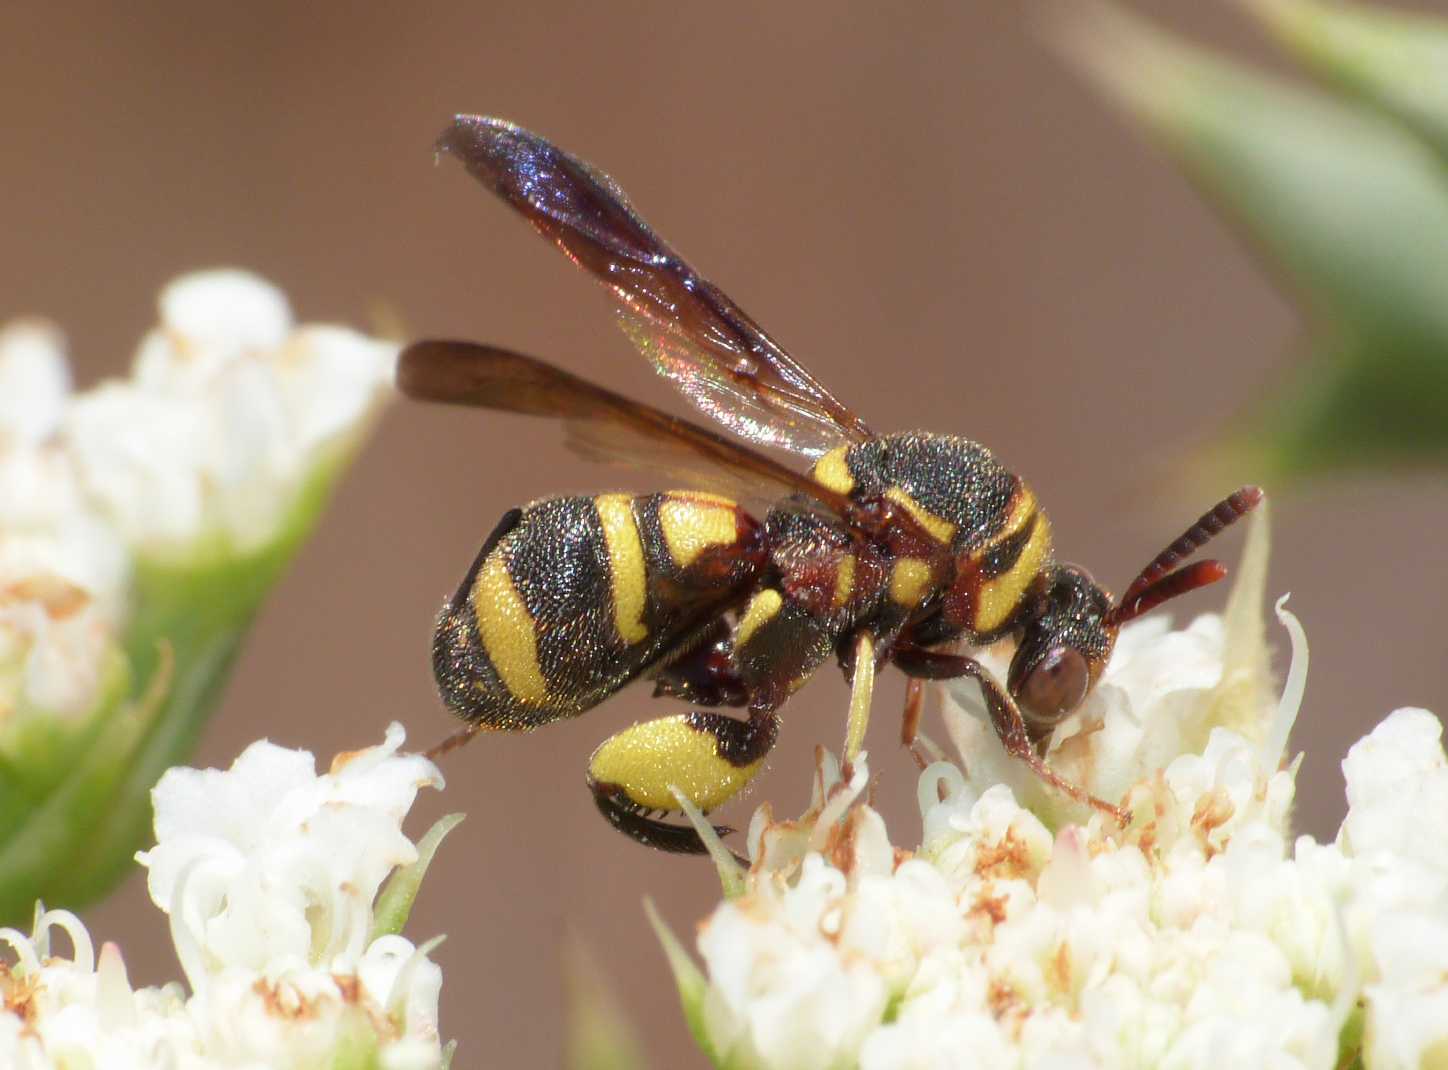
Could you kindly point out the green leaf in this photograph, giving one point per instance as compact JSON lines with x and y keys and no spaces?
{"x":599,"y":1036}
{"x":39,"y":750}
{"x":730,"y":870}
{"x":1351,"y":1041}
{"x":55,"y":827}
{"x":1390,"y":60}
{"x":394,"y":903}
{"x":1247,"y":685}
{"x":688,"y":979}
{"x":356,"y":1047}
{"x":1348,"y":207}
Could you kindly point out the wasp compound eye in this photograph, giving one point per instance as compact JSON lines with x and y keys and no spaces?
{"x":1055,"y":686}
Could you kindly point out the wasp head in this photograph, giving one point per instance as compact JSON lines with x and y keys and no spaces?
{"x":1069,"y":631}
{"x":1064,"y":645}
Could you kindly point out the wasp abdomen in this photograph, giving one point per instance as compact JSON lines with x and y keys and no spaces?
{"x":571,"y":598}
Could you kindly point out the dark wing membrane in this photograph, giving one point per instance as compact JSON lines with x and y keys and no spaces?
{"x":694,"y":335}
{"x":600,"y":423}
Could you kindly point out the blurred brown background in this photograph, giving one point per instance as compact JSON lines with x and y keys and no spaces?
{"x":922,"y":202}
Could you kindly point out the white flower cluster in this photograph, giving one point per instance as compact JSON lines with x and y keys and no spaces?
{"x":63,"y":568}
{"x":269,"y":874}
{"x":1201,"y":936}
{"x":229,"y":410}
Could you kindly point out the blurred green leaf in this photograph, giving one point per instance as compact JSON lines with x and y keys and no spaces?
{"x":1349,"y":207}
{"x":688,"y":979}
{"x":598,"y":1036}
{"x":75,"y":801}
{"x":52,"y":823}
{"x":1392,"y":60}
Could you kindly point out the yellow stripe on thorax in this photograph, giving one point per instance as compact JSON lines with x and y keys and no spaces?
{"x":1000,"y":596}
{"x":939,"y":528}
{"x":692,"y":522}
{"x":909,"y":582}
{"x":844,"y":581}
{"x":507,"y":631}
{"x":627,"y":578}
{"x":832,"y":472}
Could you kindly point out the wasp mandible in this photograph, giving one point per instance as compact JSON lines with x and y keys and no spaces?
{"x":894,"y":548}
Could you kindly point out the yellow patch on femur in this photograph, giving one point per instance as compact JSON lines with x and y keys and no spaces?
{"x":648,"y":759}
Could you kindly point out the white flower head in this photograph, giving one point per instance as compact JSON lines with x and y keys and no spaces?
{"x":269,"y":862}
{"x":269,"y":873}
{"x":64,"y":1012}
{"x":231,"y":416}
{"x":230,"y":409}
{"x":1389,"y":866}
{"x":1040,"y":936}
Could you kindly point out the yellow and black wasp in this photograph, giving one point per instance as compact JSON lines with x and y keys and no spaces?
{"x":892,"y":548}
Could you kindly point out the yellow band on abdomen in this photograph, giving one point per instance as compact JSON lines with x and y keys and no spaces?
{"x":627,"y":577}
{"x":691,"y":523}
{"x":507,"y":632}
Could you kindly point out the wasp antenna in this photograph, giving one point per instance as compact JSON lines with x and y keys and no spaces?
{"x":1210,"y":524}
{"x":454,"y":741}
{"x":1187,"y":578}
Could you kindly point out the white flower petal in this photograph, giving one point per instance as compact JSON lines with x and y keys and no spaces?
{"x":1397,"y":777}
{"x":34,"y":381}
{"x":299,"y":856}
{"x":224,"y":311}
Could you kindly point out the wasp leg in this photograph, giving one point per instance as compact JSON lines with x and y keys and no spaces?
{"x":706,"y":675}
{"x":862,"y":689}
{"x":910,"y":716}
{"x":1005,"y":716}
{"x":709,"y":757}
{"x":454,"y":741}
{"x":777,"y":644}
{"x":910,"y":737}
